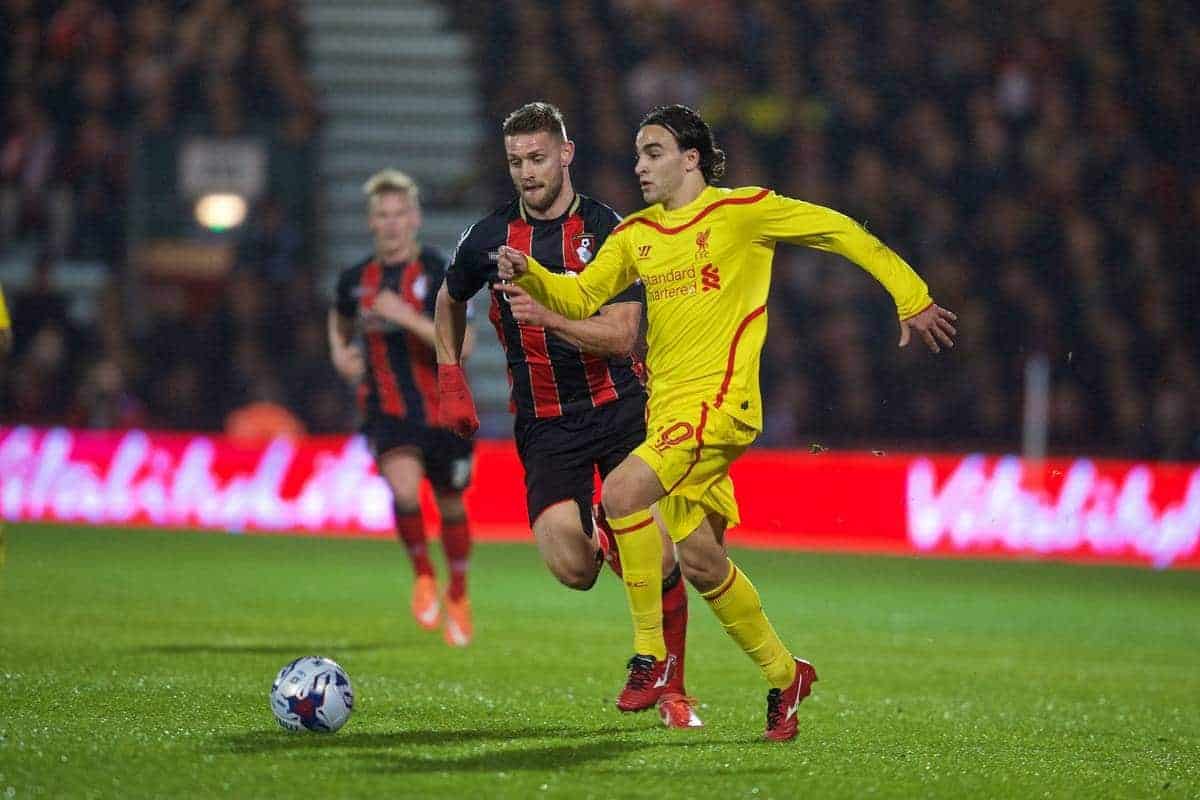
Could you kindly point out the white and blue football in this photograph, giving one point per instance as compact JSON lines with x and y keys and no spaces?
{"x":312,"y":694}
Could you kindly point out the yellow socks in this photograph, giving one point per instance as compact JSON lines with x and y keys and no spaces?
{"x":738,"y":607}
{"x":641,"y":549}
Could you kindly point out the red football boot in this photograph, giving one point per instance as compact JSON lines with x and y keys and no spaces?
{"x":648,"y":678}
{"x":782,"y":704}
{"x":425,"y":608}
{"x":678,"y":711}
{"x":458,"y":629}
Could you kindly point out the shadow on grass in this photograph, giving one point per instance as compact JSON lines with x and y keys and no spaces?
{"x":270,"y":740}
{"x":264,"y":649}
{"x":507,"y":759}
{"x":598,"y":754}
{"x":498,"y":749}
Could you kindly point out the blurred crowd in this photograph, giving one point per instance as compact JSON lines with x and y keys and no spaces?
{"x":83,"y":78}
{"x":193,"y":358}
{"x":87,"y":85}
{"x":1035,"y":161}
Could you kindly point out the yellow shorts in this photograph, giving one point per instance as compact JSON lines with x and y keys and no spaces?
{"x":691,"y":452}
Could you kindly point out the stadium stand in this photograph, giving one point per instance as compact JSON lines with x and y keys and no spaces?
{"x":1037,"y":165}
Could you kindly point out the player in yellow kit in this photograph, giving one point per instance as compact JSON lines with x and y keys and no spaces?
{"x":704,"y":254}
{"x":5,"y":346}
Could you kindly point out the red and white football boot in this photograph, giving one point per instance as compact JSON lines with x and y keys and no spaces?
{"x":782,"y":704}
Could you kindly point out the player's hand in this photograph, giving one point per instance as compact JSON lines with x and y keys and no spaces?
{"x":511,"y":263}
{"x":933,"y":325}
{"x":349,"y":363}
{"x":392,"y":307}
{"x":525,"y":309}
{"x":456,"y":407}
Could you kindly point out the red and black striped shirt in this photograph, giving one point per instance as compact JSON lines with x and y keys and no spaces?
{"x":549,"y":376}
{"x":401,"y":378}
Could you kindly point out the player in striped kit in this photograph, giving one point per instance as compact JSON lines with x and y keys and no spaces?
{"x":381,"y":337}
{"x":576,"y":386}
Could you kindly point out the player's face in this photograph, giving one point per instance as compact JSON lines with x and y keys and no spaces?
{"x":538,"y":164}
{"x":661,"y":165}
{"x":394,"y":220}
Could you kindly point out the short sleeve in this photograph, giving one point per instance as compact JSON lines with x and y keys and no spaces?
{"x":469,"y":268}
{"x":435,"y":274}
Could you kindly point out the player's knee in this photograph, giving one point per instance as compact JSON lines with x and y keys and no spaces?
{"x":451,"y":508}
{"x":616,"y":497}
{"x":573,"y":570}
{"x":568,"y":551}
{"x":405,"y":497}
{"x":580,"y":577}
{"x":408,"y":508}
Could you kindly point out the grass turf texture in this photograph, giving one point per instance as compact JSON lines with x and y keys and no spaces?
{"x":137,"y":663}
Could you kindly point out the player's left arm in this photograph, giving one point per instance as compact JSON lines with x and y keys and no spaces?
{"x":573,"y":296}
{"x":783,"y":219}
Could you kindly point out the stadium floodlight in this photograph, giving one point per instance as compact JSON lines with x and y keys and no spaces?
{"x":221,"y":211}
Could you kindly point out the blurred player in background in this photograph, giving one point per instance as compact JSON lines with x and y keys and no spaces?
{"x":381,"y":337}
{"x":576,"y":391}
{"x":6,"y":341}
{"x":704,"y":255}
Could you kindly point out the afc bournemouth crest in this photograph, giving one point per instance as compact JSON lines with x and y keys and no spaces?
{"x":420,"y":287}
{"x":585,"y":246}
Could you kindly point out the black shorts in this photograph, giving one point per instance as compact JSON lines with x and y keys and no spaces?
{"x":448,"y":459}
{"x":562,"y":454}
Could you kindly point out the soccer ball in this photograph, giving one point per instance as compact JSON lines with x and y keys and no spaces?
{"x":312,"y":693}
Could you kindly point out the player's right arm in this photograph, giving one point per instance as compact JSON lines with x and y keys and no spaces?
{"x":347,"y":357}
{"x":466,"y":274}
{"x":574,"y":296}
{"x":5,"y":328}
{"x":449,"y":327}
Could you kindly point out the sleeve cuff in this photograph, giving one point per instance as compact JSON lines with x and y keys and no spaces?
{"x":921,"y":307}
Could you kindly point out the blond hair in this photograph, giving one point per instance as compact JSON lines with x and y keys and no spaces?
{"x":391,"y":180}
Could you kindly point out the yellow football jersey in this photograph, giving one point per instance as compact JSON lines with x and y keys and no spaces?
{"x":4,"y":320}
{"x":706,"y":268}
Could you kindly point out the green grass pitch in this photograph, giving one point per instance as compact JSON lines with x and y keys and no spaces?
{"x":137,"y":664}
